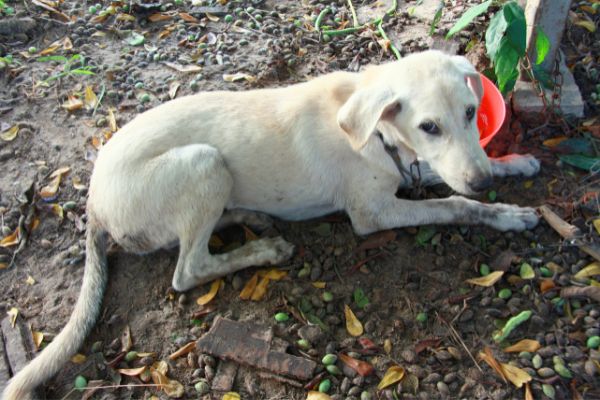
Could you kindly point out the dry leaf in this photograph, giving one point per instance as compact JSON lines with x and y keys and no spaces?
{"x":553,"y":142}
{"x":488,"y":280}
{"x":164,"y":34}
{"x":78,"y":358}
{"x":261,"y":289}
{"x":12,"y":239}
{"x":515,"y":375}
{"x":132,"y":371}
{"x":38,"y":338}
{"x":126,"y":339}
{"x":156,"y":17}
{"x":3,"y":265}
{"x":13,"y":313}
{"x":590,"y":270}
{"x":238,"y":77}
{"x":231,"y":396}
{"x":249,"y":288}
{"x":49,"y":192}
{"x":353,"y":325}
{"x":273,"y":274}
{"x":67,"y":44}
{"x":90,"y":99}
{"x":183,"y":68}
{"x":524,"y":345}
{"x":249,"y":235}
{"x":173,"y":87}
{"x":489,"y":358}
{"x":72,"y":104}
{"x":319,"y":284}
{"x":212,"y":17}
{"x":394,"y":374}
{"x":214,"y":289}
{"x":172,"y":388}
{"x":112,"y":120}
{"x":57,"y":210}
{"x":589,"y":25}
{"x":314,"y":395}
{"x":191,"y":346}
{"x":161,"y":366}
{"x":363,"y":368}
{"x":30,"y":281}
{"x":49,"y":50}
{"x":10,"y":134}
{"x":188,"y":18}
{"x":546,"y":285}
{"x":387,"y":346}
{"x":125,"y":17}
{"x":528,"y":394}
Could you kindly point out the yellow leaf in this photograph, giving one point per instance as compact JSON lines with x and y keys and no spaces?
{"x":172,"y":388}
{"x":261,"y":289}
{"x":231,"y":396}
{"x":590,"y":270}
{"x":594,"y":283}
{"x":12,"y":313}
{"x":524,"y":345}
{"x":214,"y":288}
{"x":528,"y":394}
{"x":249,"y":288}
{"x":238,"y":77}
{"x":489,"y":358}
{"x":394,"y":374}
{"x":38,"y":338}
{"x":191,"y":346}
{"x":72,"y":104}
{"x":597,"y":225}
{"x":589,"y":25}
{"x":161,"y":366}
{"x":12,"y":239}
{"x":146,"y":354}
{"x":553,"y":142}
{"x":49,"y":50}
{"x":3,"y":265}
{"x":112,"y":121}
{"x":10,"y":134}
{"x":49,"y":191}
{"x":30,"y":281}
{"x":60,"y":172}
{"x":78,"y":358}
{"x":487,"y":280}
{"x":314,"y":395}
{"x":387,"y":346}
{"x":353,"y":325}
{"x":132,"y":371}
{"x":515,"y":375}
{"x":273,"y":274}
{"x":57,"y":210}
{"x":319,"y":284}
{"x":125,"y":17}
{"x":212,"y":17}
{"x":90,"y":98}
{"x":173,"y":87}
{"x":77,"y":183}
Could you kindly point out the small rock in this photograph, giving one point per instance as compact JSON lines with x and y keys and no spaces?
{"x":537,"y":361}
{"x":312,"y":333}
{"x":443,"y":388}
{"x":546,"y":372}
{"x":409,"y":356}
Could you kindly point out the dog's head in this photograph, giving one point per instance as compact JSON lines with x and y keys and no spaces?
{"x":428,"y":103}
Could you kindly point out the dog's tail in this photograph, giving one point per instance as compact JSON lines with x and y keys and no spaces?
{"x":66,"y":344}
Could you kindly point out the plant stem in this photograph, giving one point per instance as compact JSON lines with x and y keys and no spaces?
{"x":322,"y":14}
{"x":346,"y":31}
{"x":385,"y":37}
{"x":353,"y":11}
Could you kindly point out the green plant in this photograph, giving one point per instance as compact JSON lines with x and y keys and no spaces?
{"x":505,"y":39}
{"x":75,"y":65}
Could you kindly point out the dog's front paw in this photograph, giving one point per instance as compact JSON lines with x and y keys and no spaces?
{"x":509,"y":217}
{"x":516,"y":164}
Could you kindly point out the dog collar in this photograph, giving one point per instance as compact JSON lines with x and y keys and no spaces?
{"x":413,"y":172}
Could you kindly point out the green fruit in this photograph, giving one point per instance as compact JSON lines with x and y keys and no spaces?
{"x":8,"y":10}
{"x":548,"y":390}
{"x":422,"y":317}
{"x":526,"y":271}
{"x":92,"y":10}
{"x":492,"y":195}
{"x":139,"y":85}
{"x":329,"y":359}
{"x":303,"y":344}
{"x":484,"y":269}
{"x":32,"y":50}
{"x":546,"y":273}
{"x":505,"y":293}
{"x":202,"y":387}
{"x":250,"y":10}
{"x":228,"y":18}
{"x":324,"y":386}
{"x":144,"y":98}
{"x":326,"y":38}
{"x":80,"y":383}
{"x":132,"y":355}
{"x":178,"y":2}
{"x":563,"y":371}
{"x":593,"y":342}
{"x":327,"y":297}
{"x":333,"y":370}
{"x":281,"y":317}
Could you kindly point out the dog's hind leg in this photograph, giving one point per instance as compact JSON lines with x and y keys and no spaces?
{"x":204,"y":184}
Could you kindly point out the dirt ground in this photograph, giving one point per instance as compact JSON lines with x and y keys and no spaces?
{"x":421,"y":314}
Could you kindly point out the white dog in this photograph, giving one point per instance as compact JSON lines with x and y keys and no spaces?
{"x":343,"y":141}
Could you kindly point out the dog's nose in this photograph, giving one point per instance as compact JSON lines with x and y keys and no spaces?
{"x":481,"y":184}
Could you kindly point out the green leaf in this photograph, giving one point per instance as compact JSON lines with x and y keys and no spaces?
{"x":360,"y":298}
{"x":544,"y":77}
{"x":136,"y":39}
{"x":542,"y":45}
{"x":436,"y":18}
{"x":517,"y":28}
{"x":425,"y":234}
{"x":53,"y":58}
{"x":494,"y":34}
{"x":81,"y":72}
{"x":506,"y":65}
{"x":582,"y":162}
{"x":468,"y":17}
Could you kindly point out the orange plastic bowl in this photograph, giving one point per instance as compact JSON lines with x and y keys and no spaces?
{"x":492,"y":112}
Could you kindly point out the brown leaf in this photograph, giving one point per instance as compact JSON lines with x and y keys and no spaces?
{"x":426,"y":344}
{"x":528,"y":394}
{"x":156,"y":17}
{"x":546,"y":285}
{"x":72,"y":104}
{"x":126,"y":340}
{"x":38,"y":338}
{"x":12,"y":239}
{"x":363,"y":368}
{"x":489,"y":358}
{"x":132,"y":371}
{"x":524,"y":345}
{"x":353,"y":325}
{"x":377,"y":240}
{"x":590,"y":270}
{"x":488,"y":280}
{"x":191,"y":346}
{"x":188,"y":18}
{"x":261,"y":289}
{"x":90,"y":99}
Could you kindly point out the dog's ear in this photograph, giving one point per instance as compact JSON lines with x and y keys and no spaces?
{"x":360,"y":114}
{"x":472,"y":77}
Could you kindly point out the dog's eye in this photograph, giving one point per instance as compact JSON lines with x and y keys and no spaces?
{"x":430,"y":127}
{"x":470,"y":112}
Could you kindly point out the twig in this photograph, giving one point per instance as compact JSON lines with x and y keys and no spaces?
{"x":353,"y":11}
{"x":385,"y":37}
{"x":568,"y":231}
{"x":459,"y":339}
